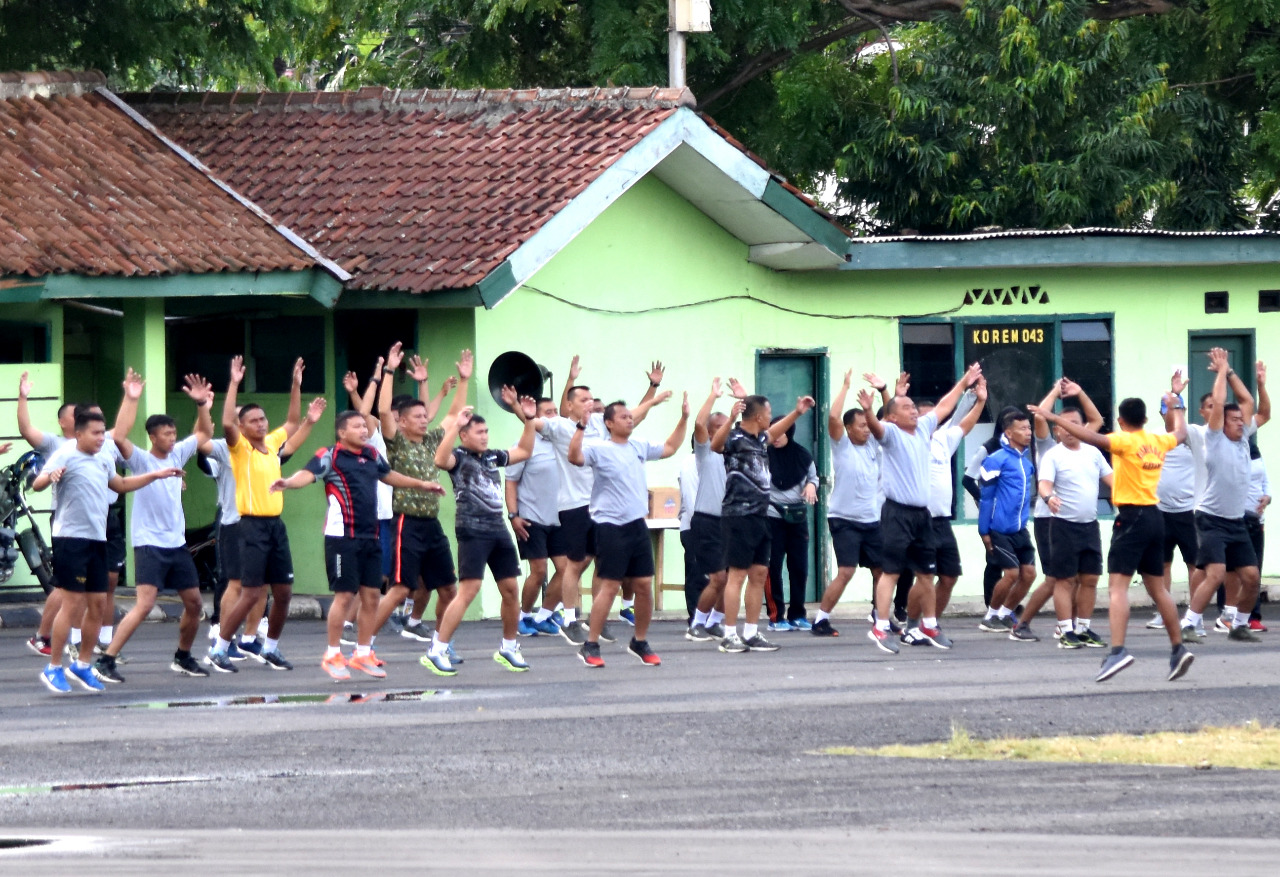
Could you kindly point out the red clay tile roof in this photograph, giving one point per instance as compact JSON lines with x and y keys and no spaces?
{"x":84,"y":189}
{"x":417,"y":191}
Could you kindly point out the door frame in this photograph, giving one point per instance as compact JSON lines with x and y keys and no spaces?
{"x":821,"y":357}
{"x":1249,"y":375}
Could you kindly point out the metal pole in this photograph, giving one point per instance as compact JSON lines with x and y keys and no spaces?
{"x":675,"y":49}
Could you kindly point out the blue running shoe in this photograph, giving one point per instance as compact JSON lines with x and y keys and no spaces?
{"x":234,"y":653}
{"x":84,"y":675}
{"x":628,"y":615}
{"x":802,"y":624}
{"x":558,"y":618}
{"x":781,"y":625}
{"x":438,"y":664}
{"x":547,"y":626}
{"x":454,"y":657}
{"x":55,"y":679}
{"x":526,"y":627}
{"x":253,"y":649}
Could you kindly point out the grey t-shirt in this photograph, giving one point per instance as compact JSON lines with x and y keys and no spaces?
{"x":49,"y":442}
{"x":1226,"y":492}
{"x":1259,"y":486}
{"x":857,"y":493}
{"x":1075,"y":476}
{"x":575,"y":481}
{"x":906,"y":462}
{"x":83,"y":495}
{"x":792,"y":495}
{"x":620,"y":493}
{"x":539,"y":484}
{"x":220,"y":465}
{"x":711,"y":475}
{"x":1182,"y":475}
{"x":157,"y":519}
{"x":688,"y":480}
{"x":110,"y":453}
{"x":477,"y":488}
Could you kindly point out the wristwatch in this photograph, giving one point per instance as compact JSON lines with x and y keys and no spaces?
{"x":511,"y":516}
{"x":1045,"y":499}
{"x":654,"y":385}
{"x":581,"y":426}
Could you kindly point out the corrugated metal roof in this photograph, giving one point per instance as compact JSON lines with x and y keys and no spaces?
{"x":1092,"y":231}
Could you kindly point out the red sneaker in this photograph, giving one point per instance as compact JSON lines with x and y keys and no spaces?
{"x":40,"y":645}
{"x":1254,"y":624}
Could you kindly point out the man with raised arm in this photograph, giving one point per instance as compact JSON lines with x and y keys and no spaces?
{"x":853,"y":511}
{"x":573,"y":545}
{"x":351,"y":471}
{"x":705,"y":533}
{"x":1221,"y":534}
{"x":158,"y":532}
{"x":483,"y":538}
{"x":1137,"y":538}
{"x":619,"y":504}
{"x":743,"y":518}
{"x":533,"y":488}
{"x":87,"y":481}
{"x":266,"y":562}
{"x":422,"y":560}
{"x":905,"y":523}
{"x":1008,"y":479}
{"x":923,"y":624}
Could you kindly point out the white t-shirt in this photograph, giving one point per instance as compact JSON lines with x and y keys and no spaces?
{"x":1075,"y":476}
{"x":384,"y":490}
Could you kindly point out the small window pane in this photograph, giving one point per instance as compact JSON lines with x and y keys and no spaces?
{"x":1086,"y":330}
{"x":927,"y":333}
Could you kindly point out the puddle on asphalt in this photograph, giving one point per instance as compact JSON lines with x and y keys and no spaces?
{"x":415,"y":696}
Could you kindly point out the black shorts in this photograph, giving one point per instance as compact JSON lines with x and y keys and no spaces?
{"x":536,"y":546}
{"x":477,"y":549}
{"x":747,"y":540}
{"x":1137,"y":541}
{"x":708,"y":543}
{"x":907,"y":532}
{"x":264,"y":552}
{"x":80,"y":565}
{"x":1257,"y":534}
{"x":1224,"y":540}
{"x":1180,"y":533}
{"x":422,"y":551}
{"x":1040,"y":527}
{"x":624,"y":551}
{"x":856,"y":543}
{"x":946,"y":550}
{"x":575,"y":538}
{"x":117,"y":551}
{"x":1075,"y":549}
{"x":1012,"y":550}
{"x":352,"y":564}
{"x":164,"y":568}
{"x":228,"y":547}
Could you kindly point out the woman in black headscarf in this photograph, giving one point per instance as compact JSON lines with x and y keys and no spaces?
{"x":795,"y":488}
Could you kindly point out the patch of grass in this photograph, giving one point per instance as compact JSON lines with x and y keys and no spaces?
{"x":1252,"y":746}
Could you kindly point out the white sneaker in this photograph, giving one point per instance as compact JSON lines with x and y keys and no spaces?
{"x":1156,"y":623}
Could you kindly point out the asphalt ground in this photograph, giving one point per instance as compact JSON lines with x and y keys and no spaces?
{"x":706,"y":761}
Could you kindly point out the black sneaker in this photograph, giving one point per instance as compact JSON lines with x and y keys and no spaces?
{"x":1022,"y":634}
{"x":697,"y":633}
{"x":716,"y":630}
{"x":1091,"y":640}
{"x":607,"y":635}
{"x":1069,"y":640}
{"x":640,"y":648}
{"x":1180,"y":662}
{"x":104,"y":669}
{"x":275,"y":660}
{"x":590,"y":654}
{"x":575,"y":632}
{"x":733,"y":644}
{"x":220,"y":662}
{"x":824,"y":628}
{"x":1114,"y":663}
{"x":187,"y":665}
{"x":758,"y":643}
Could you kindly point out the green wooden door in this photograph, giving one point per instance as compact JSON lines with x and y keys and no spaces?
{"x":782,"y":377}
{"x":1239,"y":347}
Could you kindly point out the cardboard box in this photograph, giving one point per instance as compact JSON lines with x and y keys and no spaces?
{"x":664,"y":503}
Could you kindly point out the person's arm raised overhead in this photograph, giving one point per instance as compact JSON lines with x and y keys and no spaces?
{"x":368,"y":397}
{"x":868,"y":401}
{"x":1263,"y":414}
{"x":386,"y":390}
{"x":523,"y":449}
{"x":293,"y":419}
{"x":230,"y":411}
{"x":575,"y":455}
{"x":880,"y":385}
{"x":465,"y":365}
{"x":641,"y":411}
{"x":33,"y":436}
{"x":314,"y":412}
{"x":1092,"y":416}
{"x":1243,"y":397}
{"x":1080,"y":431}
{"x":453,"y":424}
{"x":128,"y":413}
{"x":971,"y":417}
{"x":200,"y":391}
{"x":676,"y":439}
{"x":575,"y":369}
{"x":722,"y":434}
{"x":803,"y":405}
{"x":1041,"y":426}
{"x":947,"y":403}
{"x":701,"y":432}
{"x":835,"y":415}
{"x":1219,"y":366}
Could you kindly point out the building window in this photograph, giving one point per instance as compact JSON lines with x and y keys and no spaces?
{"x":22,"y":342}
{"x":270,"y":345}
{"x":1021,"y":358}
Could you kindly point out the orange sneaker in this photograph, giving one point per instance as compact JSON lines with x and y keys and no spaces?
{"x":336,"y":667}
{"x":367,"y":664}
{"x":376,"y":660}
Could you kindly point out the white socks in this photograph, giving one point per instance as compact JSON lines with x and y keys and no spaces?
{"x":822,"y":616}
{"x":749,"y":630}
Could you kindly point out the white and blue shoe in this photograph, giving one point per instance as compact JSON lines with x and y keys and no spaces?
{"x":547,"y":626}
{"x":526,"y":627}
{"x":511,"y":659}
{"x":84,"y":675}
{"x":55,"y":679}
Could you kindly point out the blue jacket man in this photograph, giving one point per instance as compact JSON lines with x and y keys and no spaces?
{"x":1008,"y":480}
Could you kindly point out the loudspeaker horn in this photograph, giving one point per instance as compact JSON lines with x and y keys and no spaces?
{"x":518,"y":370}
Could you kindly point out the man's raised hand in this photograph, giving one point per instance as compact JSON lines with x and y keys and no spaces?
{"x":133,"y":384}
{"x":351,"y":383}
{"x":866,"y":399}
{"x":1178,"y":382}
{"x":656,"y":371}
{"x":466,"y":364}
{"x":509,"y":396}
{"x":395,"y":355}
{"x":972,"y":373}
{"x":316,"y":409}
{"x":298,"y":368}
{"x":529,"y":406}
{"x":736,"y":390}
{"x":418,"y":368}
{"x":575,"y":369}
{"x":804,"y":404}
{"x":903,"y":384}
{"x":237,"y":370}
{"x":737,"y":409}
{"x":24,"y":385}
{"x":464,"y":416}
{"x":1262,"y":373}
{"x":684,"y":405}
{"x":716,"y":389}
{"x":197,"y":389}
